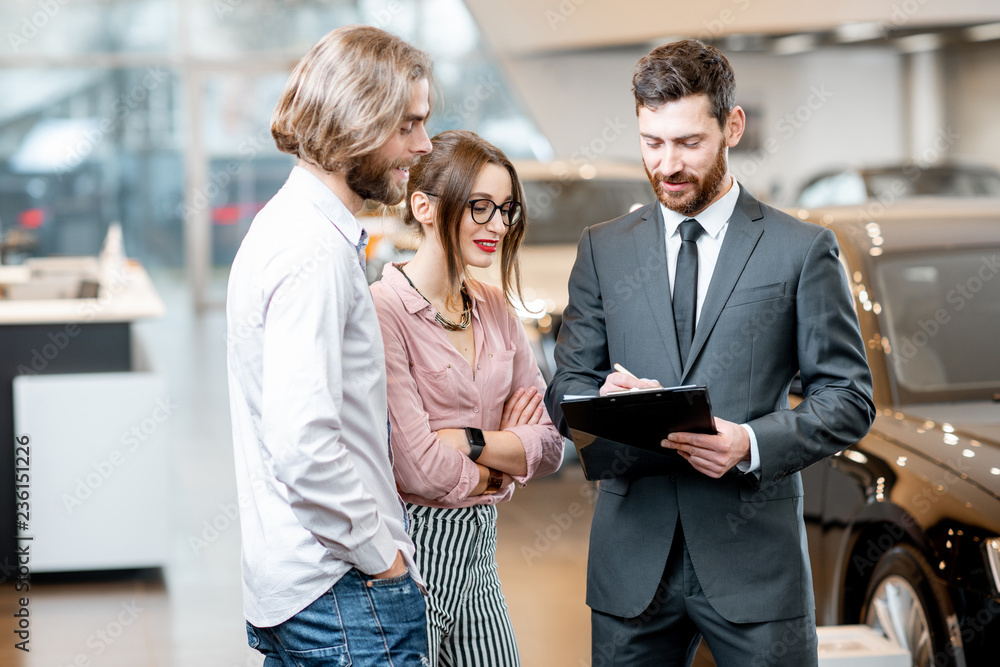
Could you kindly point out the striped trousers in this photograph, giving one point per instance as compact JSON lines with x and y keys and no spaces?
{"x":467,"y":620}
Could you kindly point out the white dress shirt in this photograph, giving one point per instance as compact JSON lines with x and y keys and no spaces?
{"x":307,"y":397}
{"x":715,"y":221}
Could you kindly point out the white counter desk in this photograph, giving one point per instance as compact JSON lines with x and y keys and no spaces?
{"x":73,"y":381}
{"x":128,"y":295}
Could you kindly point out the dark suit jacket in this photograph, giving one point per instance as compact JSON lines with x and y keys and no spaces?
{"x":778,"y":303}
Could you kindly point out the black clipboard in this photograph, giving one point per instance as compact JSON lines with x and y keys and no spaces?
{"x":619,"y":435}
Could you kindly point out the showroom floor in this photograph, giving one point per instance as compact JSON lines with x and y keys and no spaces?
{"x":189,"y":614}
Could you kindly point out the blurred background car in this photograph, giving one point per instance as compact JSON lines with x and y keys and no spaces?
{"x":856,"y":185}
{"x":904,"y":527}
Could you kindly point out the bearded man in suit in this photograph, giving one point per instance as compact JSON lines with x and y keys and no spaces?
{"x":709,"y":286}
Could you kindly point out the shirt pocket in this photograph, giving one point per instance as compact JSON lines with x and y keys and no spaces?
{"x":503,"y":371}
{"x":438,"y":393}
{"x":496,"y":380}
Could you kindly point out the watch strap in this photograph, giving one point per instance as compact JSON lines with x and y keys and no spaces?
{"x":477,"y":441}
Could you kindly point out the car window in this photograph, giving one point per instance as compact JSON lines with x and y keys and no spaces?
{"x":949,"y":182}
{"x":558,"y":211}
{"x":942,"y":312}
{"x":841,"y":188}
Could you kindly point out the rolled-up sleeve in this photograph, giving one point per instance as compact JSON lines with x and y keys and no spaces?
{"x":422,"y":464}
{"x":543,"y":444}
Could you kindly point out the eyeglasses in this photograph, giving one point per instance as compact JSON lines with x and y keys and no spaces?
{"x":483,"y":211}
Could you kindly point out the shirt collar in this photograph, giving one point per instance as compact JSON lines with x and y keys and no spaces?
{"x":323,"y":198}
{"x":712,"y":219}
{"x":411,"y":298}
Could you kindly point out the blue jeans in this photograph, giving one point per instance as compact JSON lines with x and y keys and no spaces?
{"x":360,"y":622}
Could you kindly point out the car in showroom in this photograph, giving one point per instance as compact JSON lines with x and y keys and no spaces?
{"x":904,"y":526}
{"x":890,"y":183}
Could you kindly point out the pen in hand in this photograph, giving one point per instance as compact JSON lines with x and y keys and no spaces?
{"x":624,"y":371}
{"x":610,"y":387}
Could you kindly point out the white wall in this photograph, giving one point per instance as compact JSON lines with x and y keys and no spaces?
{"x":826,"y":108}
{"x":533,"y":26}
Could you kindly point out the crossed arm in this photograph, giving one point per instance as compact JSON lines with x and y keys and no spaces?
{"x":504,"y":451}
{"x":434,"y":463}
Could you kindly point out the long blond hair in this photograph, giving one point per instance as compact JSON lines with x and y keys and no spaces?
{"x":347,"y":96}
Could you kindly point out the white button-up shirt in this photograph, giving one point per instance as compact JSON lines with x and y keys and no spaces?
{"x":715,"y":221}
{"x":308,"y":404}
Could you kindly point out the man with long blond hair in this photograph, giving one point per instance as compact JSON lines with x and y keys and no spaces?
{"x":328,"y":573}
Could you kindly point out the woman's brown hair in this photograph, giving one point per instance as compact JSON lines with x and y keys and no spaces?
{"x":449,"y":173}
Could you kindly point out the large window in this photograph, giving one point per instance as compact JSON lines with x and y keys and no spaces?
{"x":155,"y":114}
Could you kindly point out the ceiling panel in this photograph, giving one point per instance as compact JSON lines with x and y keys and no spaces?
{"x":529,"y":26}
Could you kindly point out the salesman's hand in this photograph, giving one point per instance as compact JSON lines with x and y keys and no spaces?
{"x":398,"y":568}
{"x":621,"y":382}
{"x":712,"y":455}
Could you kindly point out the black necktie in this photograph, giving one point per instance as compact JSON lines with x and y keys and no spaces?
{"x":685,"y":297}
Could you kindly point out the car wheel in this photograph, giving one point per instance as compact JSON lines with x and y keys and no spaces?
{"x":902,"y":604}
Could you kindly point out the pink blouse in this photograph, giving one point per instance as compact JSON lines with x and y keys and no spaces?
{"x":431,"y":387}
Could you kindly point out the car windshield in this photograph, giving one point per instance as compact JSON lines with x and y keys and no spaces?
{"x":890,"y":184}
{"x":943,"y":182}
{"x":942,"y":312}
{"x":843,"y":188}
{"x":558,"y":211}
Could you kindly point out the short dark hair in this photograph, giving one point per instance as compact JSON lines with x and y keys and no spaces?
{"x":689,"y":67}
{"x":450,"y":171}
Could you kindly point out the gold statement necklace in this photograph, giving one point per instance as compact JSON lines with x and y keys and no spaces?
{"x":441,"y":319}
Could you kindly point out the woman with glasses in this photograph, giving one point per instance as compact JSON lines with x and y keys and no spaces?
{"x":465,"y":408}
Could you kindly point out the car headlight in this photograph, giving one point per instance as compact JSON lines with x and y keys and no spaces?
{"x":992,"y":548}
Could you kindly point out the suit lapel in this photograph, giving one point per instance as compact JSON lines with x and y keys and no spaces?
{"x":742,"y":235}
{"x":651,"y":253}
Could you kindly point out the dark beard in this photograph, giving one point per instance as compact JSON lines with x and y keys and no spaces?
{"x":703,"y":192}
{"x":371,"y":178}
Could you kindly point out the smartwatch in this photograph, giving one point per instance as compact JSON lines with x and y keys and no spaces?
{"x":494,"y":483}
{"x":476,"y":441}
